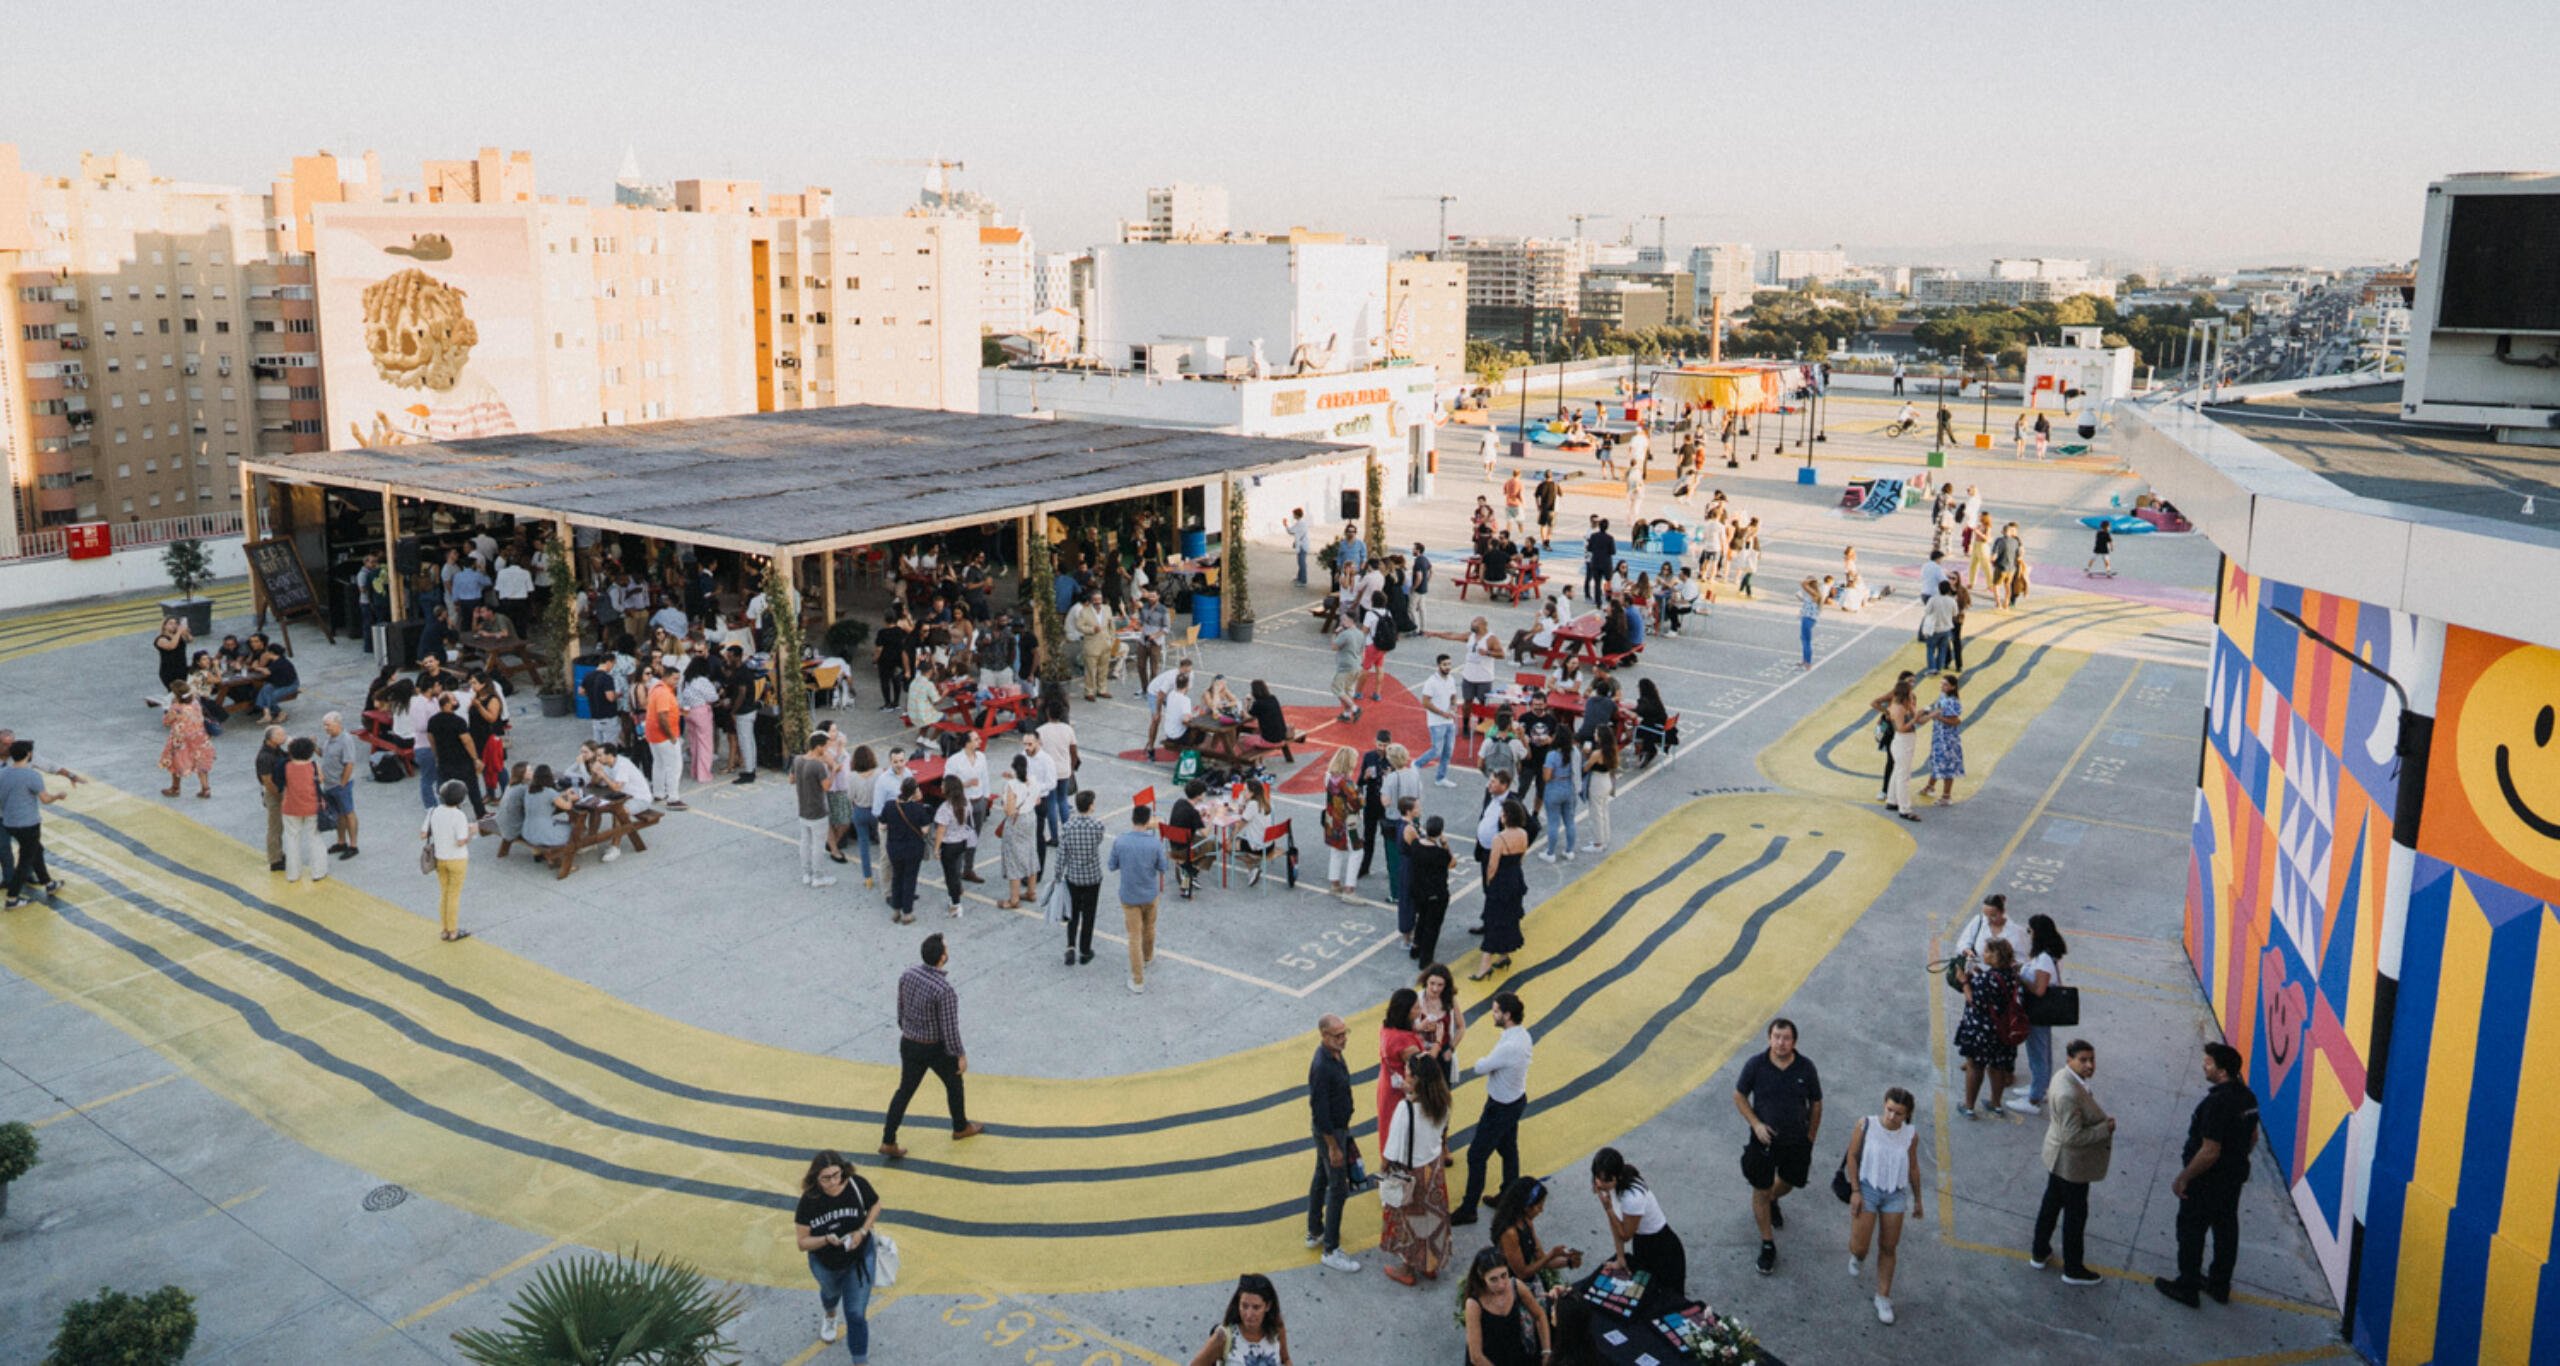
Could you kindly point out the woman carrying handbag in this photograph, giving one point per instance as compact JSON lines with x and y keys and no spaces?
{"x":1413,"y":1193}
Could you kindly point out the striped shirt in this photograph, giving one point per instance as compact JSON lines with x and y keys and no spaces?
{"x":929,"y":1007}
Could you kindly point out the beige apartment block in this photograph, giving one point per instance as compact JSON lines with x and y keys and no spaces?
{"x":1427,"y":313}
{"x":155,"y":333}
{"x":874,"y":310}
{"x":489,"y":178}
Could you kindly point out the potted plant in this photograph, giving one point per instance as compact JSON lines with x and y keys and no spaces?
{"x":132,"y":1330}
{"x":188,"y":569}
{"x":17,"y":1154}
{"x":597,"y":1310}
{"x":552,"y":629}
{"x":1231,"y":561}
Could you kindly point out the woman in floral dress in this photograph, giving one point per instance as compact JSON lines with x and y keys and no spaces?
{"x":1946,"y":745}
{"x":187,"y":750}
{"x":1990,"y":991}
{"x":1415,"y":1236}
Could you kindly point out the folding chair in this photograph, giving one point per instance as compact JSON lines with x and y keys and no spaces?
{"x":1185,"y":856}
{"x":1278,"y":841}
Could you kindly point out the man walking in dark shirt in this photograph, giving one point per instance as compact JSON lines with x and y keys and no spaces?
{"x":1599,"y":557}
{"x":2219,"y":1136}
{"x":1548,"y":493}
{"x":1780,"y":1097}
{"x":270,"y":770}
{"x":1329,"y":1099}
{"x":929,"y":1041}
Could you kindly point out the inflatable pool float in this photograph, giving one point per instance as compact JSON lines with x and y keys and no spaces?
{"x":2125,"y":525}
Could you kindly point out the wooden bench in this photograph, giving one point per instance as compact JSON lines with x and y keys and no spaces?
{"x":588,"y":828}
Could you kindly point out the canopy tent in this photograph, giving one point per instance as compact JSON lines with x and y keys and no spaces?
{"x":1734,"y":386}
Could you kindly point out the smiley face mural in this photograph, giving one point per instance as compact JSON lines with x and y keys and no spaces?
{"x":2493,"y":796}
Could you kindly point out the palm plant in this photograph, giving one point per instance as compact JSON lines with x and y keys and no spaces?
{"x":602,"y":1311}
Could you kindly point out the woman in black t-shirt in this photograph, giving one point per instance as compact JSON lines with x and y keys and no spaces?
{"x":833,"y":1225}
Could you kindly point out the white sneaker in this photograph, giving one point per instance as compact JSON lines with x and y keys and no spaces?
{"x":1545,"y":857}
{"x":612,"y":852}
{"x":829,"y":1327}
{"x":1338,"y":1262}
{"x":1443,"y":782}
{"x":1857,"y":1268}
{"x":822,"y":882}
{"x":1136,"y":987}
{"x":1884,"y":1310}
{"x":1315,"y":1240}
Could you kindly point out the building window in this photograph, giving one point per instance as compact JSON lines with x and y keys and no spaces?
{"x":190,"y":326}
{"x":221,"y":325}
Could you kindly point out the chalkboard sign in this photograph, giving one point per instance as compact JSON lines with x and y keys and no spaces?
{"x":284,"y":583}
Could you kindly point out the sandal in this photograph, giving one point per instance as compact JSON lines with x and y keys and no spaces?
{"x":170,"y":791}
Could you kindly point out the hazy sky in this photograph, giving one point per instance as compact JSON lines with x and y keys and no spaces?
{"x":2251,"y":130}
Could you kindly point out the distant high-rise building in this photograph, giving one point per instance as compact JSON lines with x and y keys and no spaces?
{"x":1515,"y":273}
{"x":1053,"y":281}
{"x":1723,"y":271}
{"x":2038,"y":268}
{"x":1427,"y":313}
{"x":1790,"y":267}
{"x":1004,"y":290}
{"x":1181,"y":213}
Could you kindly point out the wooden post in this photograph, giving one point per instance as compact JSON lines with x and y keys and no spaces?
{"x":1022,"y":548}
{"x":391,"y":557}
{"x":826,"y":589}
{"x":251,"y":531}
{"x":564,"y":579}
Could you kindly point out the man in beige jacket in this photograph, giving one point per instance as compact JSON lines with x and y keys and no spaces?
{"x":2079,"y":1137}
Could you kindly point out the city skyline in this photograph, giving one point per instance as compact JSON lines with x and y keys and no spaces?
{"x":2283,"y":137}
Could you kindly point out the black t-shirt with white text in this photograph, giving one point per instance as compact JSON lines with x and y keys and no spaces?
{"x":841,"y":1213}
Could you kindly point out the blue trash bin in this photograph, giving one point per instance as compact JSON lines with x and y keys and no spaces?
{"x":1195,"y":543}
{"x":578,"y":688}
{"x":1204,"y":614}
{"x":1674,"y":542}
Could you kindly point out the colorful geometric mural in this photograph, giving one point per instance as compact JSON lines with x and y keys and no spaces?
{"x":2460,"y":1226}
{"x":2291,"y":845}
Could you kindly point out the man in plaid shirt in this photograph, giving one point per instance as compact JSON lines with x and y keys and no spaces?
{"x":929,"y":1041}
{"x":1080,"y":854}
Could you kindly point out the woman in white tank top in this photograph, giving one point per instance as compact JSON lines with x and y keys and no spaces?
{"x":1883,"y":1169}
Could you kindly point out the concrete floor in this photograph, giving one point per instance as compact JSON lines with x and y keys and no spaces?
{"x":269,"y":1183}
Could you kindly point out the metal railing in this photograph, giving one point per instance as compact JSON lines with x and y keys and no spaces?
{"x":47,"y":543}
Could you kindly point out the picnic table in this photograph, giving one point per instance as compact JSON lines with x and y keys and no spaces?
{"x":240,"y":690}
{"x":596,"y":818}
{"x":1232,"y":740}
{"x":1516,"y":587}
{"x":1566,"y":705}
{"x":1005,"y":711}
{"x":506,"y":654}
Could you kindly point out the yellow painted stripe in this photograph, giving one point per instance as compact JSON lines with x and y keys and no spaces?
{"x":437,"y":1306}
{"x":2141,"y":1277}
{"x":101,"y":1102}
{"x":2533,"y":1170}
{"x":741,"y":1241}
{"x":2461,"y":984}
{"x":2337,"y":1353}
{"x":2420,"y":1274}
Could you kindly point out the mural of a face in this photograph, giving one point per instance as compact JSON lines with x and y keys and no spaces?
{"x":2507,"y":756}
{"x":416,"y":330}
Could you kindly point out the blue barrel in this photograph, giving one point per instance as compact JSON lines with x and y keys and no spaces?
{"x":1204,"y":614}
{"x":1675,"y":542}
{"x":1195,"y":543}
{"x":578,"y":687}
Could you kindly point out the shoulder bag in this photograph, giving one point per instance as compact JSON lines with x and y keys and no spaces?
{"x":1840,"y":1175}
{"x":884,"y":1259}
{"x":2059,"y":1005}
{"x":1956,"y":968}
{"x":1396,"y":1184}
{"x":427,"y":847}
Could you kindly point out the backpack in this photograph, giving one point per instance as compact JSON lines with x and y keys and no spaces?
{"x":2011,"y":1017}
{"x":1384,"y":634}
{"x":386,"y":767}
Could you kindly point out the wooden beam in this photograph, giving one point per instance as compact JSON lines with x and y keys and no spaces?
{"x":826,"y":587}
{"x":564,"y":579}
{"x":399,"y":605}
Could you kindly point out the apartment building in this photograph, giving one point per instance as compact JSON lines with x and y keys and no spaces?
{"x":153,"y":333}
{"x":1791,"y":267}
{"x":491,"y":177}
{"x":1515,"y":273}
{"x":1723,"y":271}
{"x":1181,"y":213}
{"x":1427,"y":313}
{"x":871,"y":310}
{"x":1977,"y":291}
{"x":1005,"y":283}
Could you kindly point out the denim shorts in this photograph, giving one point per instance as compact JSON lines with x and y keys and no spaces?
{"x":1885,"y":1202}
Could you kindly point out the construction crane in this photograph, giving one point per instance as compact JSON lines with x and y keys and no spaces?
{"x":939,"y":179}
{"x":1662,"y":230}
{"x":1444,"y":200}
{"x":1580,"y":218}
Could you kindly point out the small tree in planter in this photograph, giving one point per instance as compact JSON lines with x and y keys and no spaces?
{"x":785,"y":606}
{"x":129,"y":1330}
{"x":17,"y":1154}
{"x":1239,"y":603}
{"x":188,"y":569}
{"x":1039,"y":584}
{"x":597,"y":1311}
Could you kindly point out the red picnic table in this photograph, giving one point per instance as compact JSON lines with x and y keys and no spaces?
{"x":1516,"y":587}
{"x":1566,"y":705}
{"x":1004,"y":711}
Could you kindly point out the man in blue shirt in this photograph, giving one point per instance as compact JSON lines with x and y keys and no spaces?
{"x":1138,"y":857}
{"x":469,"y":586}
{"x":23,"y":799}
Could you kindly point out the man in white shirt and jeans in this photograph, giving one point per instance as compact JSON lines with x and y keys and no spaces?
{"x":1506,"y":1095}
{"x":1439,"y":694}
